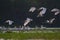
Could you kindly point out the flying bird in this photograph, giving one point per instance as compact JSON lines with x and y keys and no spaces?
{"x":32,"y":9}
{"x":28,"y":20}
{"x":9,"y":22}
{"x":57,"y":11}
{"x":42,"y":12}
{"x":50,"y":20}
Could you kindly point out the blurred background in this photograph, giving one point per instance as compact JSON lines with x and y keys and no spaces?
{"x":17,"y":10}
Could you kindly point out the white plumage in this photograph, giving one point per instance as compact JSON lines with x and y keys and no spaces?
{"x":57,"y":11}
{"x":27,"y":21}
{"x":32,"y":9}
{"x":41,"y":12}
{"x":51,"y":20}
{"x":9,"y":22}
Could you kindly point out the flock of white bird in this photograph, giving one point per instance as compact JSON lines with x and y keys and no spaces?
{"x":40,"y":14}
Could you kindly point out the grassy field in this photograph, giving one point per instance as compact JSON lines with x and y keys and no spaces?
{"x":31,"y":35}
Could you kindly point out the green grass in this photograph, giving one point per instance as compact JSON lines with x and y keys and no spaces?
{"x":37,"y":35}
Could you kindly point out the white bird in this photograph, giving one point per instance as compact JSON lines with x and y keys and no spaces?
{"x":41,"y":12}
{"x":50,"y":21}
{"x":57,"y":11}
{"x":32,"y":9}
{"x":9,"y":22}
{"x":27,"y":21}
